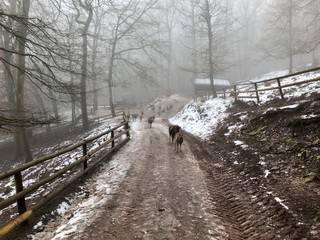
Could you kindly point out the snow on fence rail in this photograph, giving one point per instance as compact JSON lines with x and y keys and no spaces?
{"x":253,"y":89}
{"x":21,"y":193}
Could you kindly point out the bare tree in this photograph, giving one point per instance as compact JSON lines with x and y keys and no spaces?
{"x":188,"y":10}
{"x":95,"y":47}
{"x":127,"y":22}
{"x":86,"y":5}
{"x":73,"y":63}
{"x":215,"y":29}
{"x":312,"y":25}
{"x":22,"y":144}
{"x":246,"y":20}
{"x":289,"y":36}
{"x":31,"y":56}
{"x":169,"y":17}
{"x":8,"y":56}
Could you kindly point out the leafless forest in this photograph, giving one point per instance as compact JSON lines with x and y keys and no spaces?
{"x":74,"y":56}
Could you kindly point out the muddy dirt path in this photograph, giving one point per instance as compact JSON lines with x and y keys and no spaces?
{"x":164,"y":195}
{"x":188,"y":195}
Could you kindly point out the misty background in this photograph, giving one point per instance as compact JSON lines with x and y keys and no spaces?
{"x":77,"y":55}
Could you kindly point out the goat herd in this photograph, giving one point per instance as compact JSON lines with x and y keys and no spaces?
{"x":175,"y":134}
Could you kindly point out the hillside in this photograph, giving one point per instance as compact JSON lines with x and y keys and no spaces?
{"x":276,"y":146}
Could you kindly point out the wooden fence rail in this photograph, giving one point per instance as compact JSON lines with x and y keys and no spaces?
{"x":21,"y":193}
{"x":253,"y":87}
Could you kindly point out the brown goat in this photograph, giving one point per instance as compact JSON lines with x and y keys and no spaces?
{"x":179,"y":141}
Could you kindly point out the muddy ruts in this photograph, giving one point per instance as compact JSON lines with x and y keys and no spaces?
{"x":247,"y":210}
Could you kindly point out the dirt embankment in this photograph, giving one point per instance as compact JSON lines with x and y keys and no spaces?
{"x":279,"y":155}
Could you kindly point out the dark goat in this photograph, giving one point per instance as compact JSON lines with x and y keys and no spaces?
{"x":134,"y":116}
{"x":173,"y":131}
{"x":150,"y":120}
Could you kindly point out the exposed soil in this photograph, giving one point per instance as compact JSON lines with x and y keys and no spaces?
{"x":281,"y":158}
{"x":215,"y":189}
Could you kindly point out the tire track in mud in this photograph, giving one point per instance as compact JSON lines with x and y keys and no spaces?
{"x":247,"y":211}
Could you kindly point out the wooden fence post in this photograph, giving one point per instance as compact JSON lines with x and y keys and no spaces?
{"x":126,"y":126}
{"x":21,"y":202}
{"x":280,"y":88}
{"x":84,"y":151}
{"x":235,"y":93}
{"x":257,"y":93}
{"x":112,"y":136}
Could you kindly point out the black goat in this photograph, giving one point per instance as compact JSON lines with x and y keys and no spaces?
{"x":150,"y":120}
{"x":173,"y":130}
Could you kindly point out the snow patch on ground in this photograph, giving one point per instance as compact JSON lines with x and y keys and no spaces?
{"x":201,"y":117}
{"x":84,"y":209}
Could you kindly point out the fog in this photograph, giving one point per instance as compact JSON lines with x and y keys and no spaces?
{"x":77,"y":55}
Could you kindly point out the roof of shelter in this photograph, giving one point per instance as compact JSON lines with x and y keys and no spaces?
{"x":216,"y":82}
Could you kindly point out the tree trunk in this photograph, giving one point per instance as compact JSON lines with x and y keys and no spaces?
{"x":290,"y":39}
{"x":94,"y":59}
{"x":168,"y":92}
{"x":95,"y":91}
{"x":110,"y":77}
{"x":83,"y":88}
{"x":8,"y":72}
{"x":22,"y":144}
{"x":194,"y":40}
{"x":113,"y":112}
{"x":10,"y":79}
{"x":53,"y":103}
{"x":73,"y":105}
{"x":210,"y":50}
{"x":42,"y":106}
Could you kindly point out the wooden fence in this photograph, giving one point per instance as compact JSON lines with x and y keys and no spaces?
{"x":253,"y":88}
{"x":116,"y":133}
